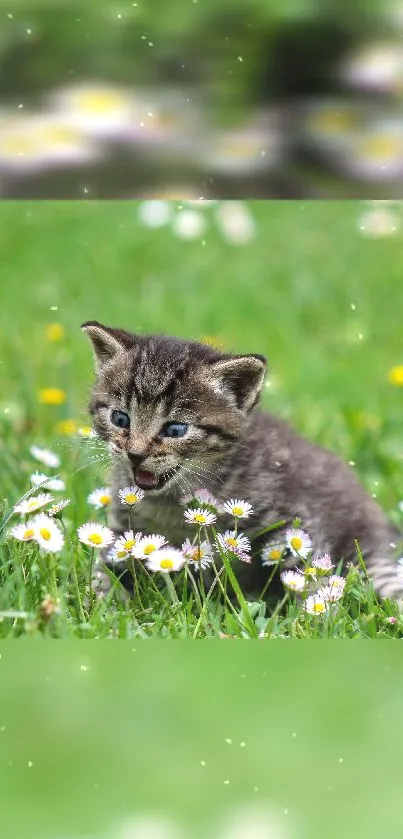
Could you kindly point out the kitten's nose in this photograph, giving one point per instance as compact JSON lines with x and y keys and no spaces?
{"x":136,"y":459}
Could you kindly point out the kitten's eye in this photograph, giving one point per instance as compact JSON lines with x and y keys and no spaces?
{"x":120,"y":419}
{"x":174,"y":429}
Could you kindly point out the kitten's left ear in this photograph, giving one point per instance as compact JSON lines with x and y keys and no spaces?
{"x":242,"y":376}
{"x":106,"y":341}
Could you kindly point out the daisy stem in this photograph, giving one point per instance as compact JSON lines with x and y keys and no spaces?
{"x":174,"y":599}
{"x":223,"y":589}
{"x":74,"y":571}
{"x":267,"y":583}
{"x":136,"y":584}
{"x":90,"y":593}
{"x":205,"y":604}
{"x":270,"y":624}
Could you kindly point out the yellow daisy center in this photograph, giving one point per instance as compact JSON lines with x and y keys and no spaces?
{"x":131,"y":498}
{"x":28,"y":534}
{"x":105,"y":499}
{"x":45,"y":533}
{"x":33,"y":505}
{"x":331,"y":122}
{"x":275,"y":554}
{"x":121,"y":554}
{"x":85,"y":430}
{"x":99,"y":102}
{"x":95,"y":539}
{"x":395,"y":375}
{"x":166,"y":563}
{"x":381,"y":146}
{"x":231,"y":542}
{"x":129,"y":544}
{"x":197,"y":554}
{"x":319,"y":607}
{"x":200,"y":518}
{"x":296,"y":543}
{"x":237,"y":511}
{"x":149,"y":549}
{"x":310,"y":570}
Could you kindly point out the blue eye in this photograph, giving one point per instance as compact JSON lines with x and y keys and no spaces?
{"x":175,"y":429}
{"x":120,"y":419}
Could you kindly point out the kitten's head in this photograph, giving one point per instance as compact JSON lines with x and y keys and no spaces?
{"x":169,"y":405}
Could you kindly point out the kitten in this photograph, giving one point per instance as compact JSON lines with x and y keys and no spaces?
{"x":179,"y":415}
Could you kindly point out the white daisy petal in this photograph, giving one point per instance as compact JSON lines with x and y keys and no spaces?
{"x":272,"y":553}
{"x":34,"y":503}
{"x":23,"y":532}
{"x":128,"y":541}
{"x":199,"y":516}
{"x":200,"y":556}
{"x":147,"y":545}
{"x":100,"y":497}
{"x":45,"y":481}
{"x":200,"y":497}
{"x":293,"y":580}
{"x":131,"y":495}
{"x":315,"y":605}
{"x":45,"y":456}
{"x":47,"y":533}
{"x":237,"y":508}
{"x":298,"y":542}
{"x":234,"y":542}
{"x":95,"y":535}
{"x":165,"y":560}
{"x":323,"y":563}
{"x":55,"y":509}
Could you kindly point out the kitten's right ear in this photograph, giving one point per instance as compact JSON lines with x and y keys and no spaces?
{"x":105,"y":343}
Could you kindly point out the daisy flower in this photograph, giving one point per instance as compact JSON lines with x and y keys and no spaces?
{"x":315,"y":605}
{"x":45,"y":456}
{"x":127,"y":541}
{"x":331,"y":593}
{"x":55,"y":484}
{"x":117,"y":554}
{"x":234,"y":542}
{"x":55,"y":509}
{"x":147,"y":545}
{"x":323,"y":563}
{"x":239,"y":509}
{"x":298,"y":542}
{"x":31,"y":505}
{"x":201,"y":556}
{"x":23,"y":532}
{"x":95,"y":535}
{"x":199,"y":516}
{"x":131,"y":495}
{"x":293,"y":580}
{"x":47,"y":534}
{"x":165,"y":560}
{"x":272,"y":553}
{"x":201,"y":496}
{"x":100,"y":497}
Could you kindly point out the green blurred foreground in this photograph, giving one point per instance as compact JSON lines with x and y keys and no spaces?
{"x":95,"y":736}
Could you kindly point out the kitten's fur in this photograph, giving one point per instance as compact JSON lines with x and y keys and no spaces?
{"x":232,"y":449}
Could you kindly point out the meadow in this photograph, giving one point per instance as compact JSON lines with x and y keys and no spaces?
{"x":311,"y":289}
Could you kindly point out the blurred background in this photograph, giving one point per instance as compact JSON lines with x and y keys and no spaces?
{"x":218,"y":740}
{"x":209,"y":98}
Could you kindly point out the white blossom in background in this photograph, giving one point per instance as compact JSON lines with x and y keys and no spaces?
{"x":376,"y":67}
{"x":253,"y":822}
{"x":155,"y":213}
{"x":375,"y":152}
{"x":38,"y":142}
{"x":191,"y":218}
{"x":188,"y":224}
{"x":235,"y":222}
{"x":379,"y":222}
{"x":147,"y":827}
{"x":248,"y":150}
{"x":98,"y":110}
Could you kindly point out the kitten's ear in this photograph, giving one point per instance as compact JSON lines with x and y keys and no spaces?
{"x":106,"y":342}
{"x":242,"y":376}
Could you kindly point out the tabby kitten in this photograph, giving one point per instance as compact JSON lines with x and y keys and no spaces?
{"x":178,"y":415}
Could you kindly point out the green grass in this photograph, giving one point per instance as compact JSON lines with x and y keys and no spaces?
{"x":302,"y":293}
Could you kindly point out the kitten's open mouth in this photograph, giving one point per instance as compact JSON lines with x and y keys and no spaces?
{"x":149,"y":480}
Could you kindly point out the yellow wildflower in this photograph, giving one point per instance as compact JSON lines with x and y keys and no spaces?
{"x":52,"y":396}
{"x":395,"y":375}
{"x":54,"y":332}
{"x":67,"y":427}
